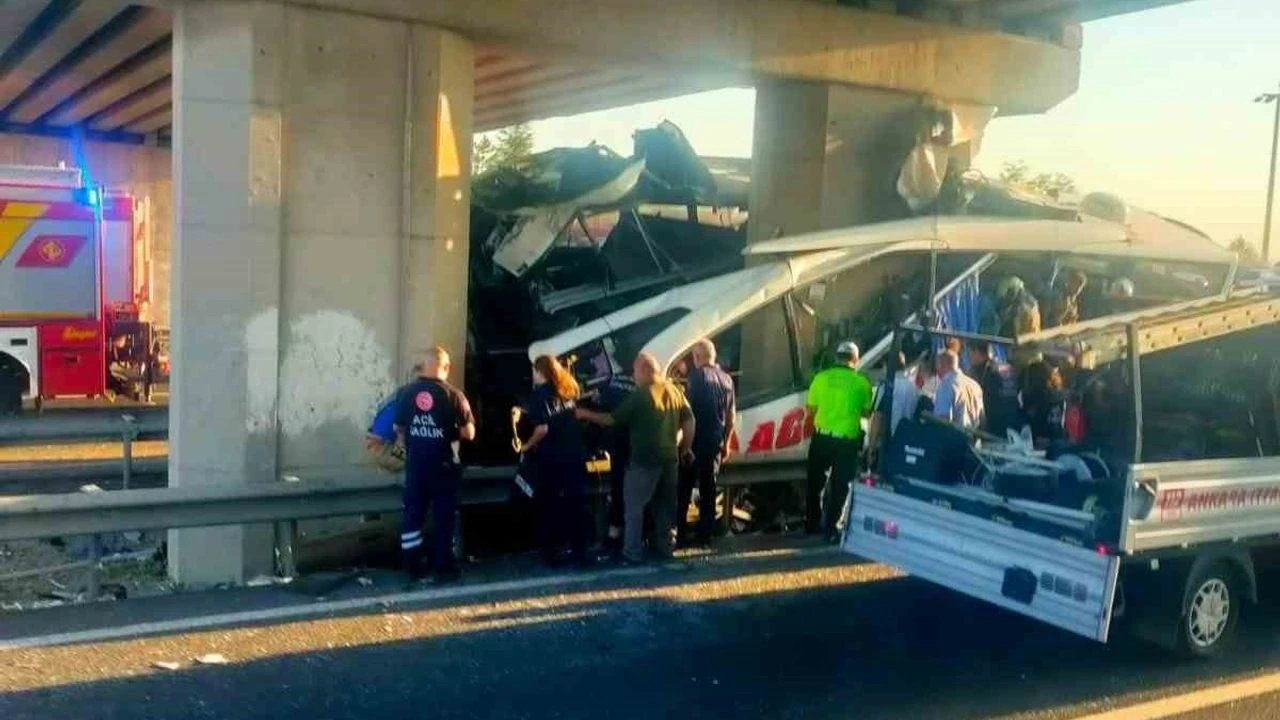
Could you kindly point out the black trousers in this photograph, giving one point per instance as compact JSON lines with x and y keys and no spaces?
{"x":838,"y":458}
{"x":560,"y":502}
{"x":702,"y":473}
{"x":618,"y":460}
{"x":436,"y":490}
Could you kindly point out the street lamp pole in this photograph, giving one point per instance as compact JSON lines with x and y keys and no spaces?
{"x":1273,"y":99}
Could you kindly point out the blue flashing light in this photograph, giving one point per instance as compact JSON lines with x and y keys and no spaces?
{"x":89,"y":196}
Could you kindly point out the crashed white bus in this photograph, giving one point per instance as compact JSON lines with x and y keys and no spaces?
{"x":1187,"y":533}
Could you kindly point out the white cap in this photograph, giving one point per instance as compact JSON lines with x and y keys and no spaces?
{"x":848,"y":347}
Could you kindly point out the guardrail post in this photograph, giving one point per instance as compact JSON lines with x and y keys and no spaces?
{"x":128,"y":434}
{"x":286,"y":533}
{"x":94,"y":579}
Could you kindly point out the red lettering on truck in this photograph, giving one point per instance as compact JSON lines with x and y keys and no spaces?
{"x":1177,"y":501}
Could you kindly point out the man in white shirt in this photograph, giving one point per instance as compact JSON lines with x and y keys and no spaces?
{"x":906,"y":396}
{"x":959,"y":397}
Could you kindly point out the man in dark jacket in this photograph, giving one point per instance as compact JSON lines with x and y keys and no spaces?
{"x":999,"y":389}
{"x":711,"y":395}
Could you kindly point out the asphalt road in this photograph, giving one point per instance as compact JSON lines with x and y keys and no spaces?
{"x":796,"y":633}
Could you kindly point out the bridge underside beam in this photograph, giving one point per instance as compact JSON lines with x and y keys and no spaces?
{"x":750,"y":40}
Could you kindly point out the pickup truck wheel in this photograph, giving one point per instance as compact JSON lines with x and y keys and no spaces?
{"x":1210,"y":612}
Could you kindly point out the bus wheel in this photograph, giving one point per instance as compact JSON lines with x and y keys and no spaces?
{"x":1210,"y":611}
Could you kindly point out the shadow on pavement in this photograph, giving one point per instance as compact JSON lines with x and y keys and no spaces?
{"x":895,"y":648}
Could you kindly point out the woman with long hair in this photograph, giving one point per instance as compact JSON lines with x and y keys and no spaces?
{"x":558,"y":457}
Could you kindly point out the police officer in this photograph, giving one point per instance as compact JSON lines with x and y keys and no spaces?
{"x":559,"y":455}
{"x":839,"y":398}
{"x":432,"y":416}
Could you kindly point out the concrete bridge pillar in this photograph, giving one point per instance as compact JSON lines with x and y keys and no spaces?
{"x":824,"y":156}
{"x":827,"y":156}
{"x":321,"y":174}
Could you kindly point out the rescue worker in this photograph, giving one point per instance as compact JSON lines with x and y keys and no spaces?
{"x":1016,"y":310}
{"x":711,"y":396}
{"x":431,"y":417}
{"x":1065,"y":308}
{"x":999,"y":385}
{"x":661,"y":428}
{"x":559,"y":454}
{"x":959,"y":398}
{"x":839,"y":398}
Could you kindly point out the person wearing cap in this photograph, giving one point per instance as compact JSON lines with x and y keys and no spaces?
{"x":839,"y":398}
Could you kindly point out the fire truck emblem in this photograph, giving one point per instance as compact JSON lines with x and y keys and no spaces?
{"x":51,"y":251}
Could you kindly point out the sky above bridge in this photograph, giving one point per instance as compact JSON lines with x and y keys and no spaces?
{"x":1164,"y":116}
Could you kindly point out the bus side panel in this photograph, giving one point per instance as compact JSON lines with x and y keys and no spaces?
{"x":1060,"y":584}
{"x":775,"y":430}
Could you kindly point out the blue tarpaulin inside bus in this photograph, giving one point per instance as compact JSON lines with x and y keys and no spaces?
{"x":961,"y":309}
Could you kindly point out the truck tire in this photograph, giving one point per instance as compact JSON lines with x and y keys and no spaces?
{"x":10,"y":394}
{"x":1210,"y":610}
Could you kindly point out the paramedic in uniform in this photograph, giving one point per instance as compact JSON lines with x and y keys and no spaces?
{"x":559,"y":455}
{"x":431,"y":417}
{"x":839,"y":398}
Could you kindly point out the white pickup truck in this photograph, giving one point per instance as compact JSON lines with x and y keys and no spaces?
{"x":1191,"y":524}
{"x":1175,"y":552}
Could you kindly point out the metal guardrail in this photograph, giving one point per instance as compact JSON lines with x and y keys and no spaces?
{"x":97,"y":424}
{"x":46,"y":516}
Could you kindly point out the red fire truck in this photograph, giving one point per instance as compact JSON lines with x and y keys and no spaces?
{"x":75,"y":289}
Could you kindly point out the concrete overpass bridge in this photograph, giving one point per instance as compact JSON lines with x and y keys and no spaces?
{"x":321,"y":156}
{"x":106,"y":67}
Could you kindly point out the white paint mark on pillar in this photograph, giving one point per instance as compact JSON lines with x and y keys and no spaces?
{"x":334,"y":371}
{"x":262,"y":348}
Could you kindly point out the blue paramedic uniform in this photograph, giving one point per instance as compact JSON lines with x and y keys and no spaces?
{"x":430,"y":413}
{"x":561,"y":461}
